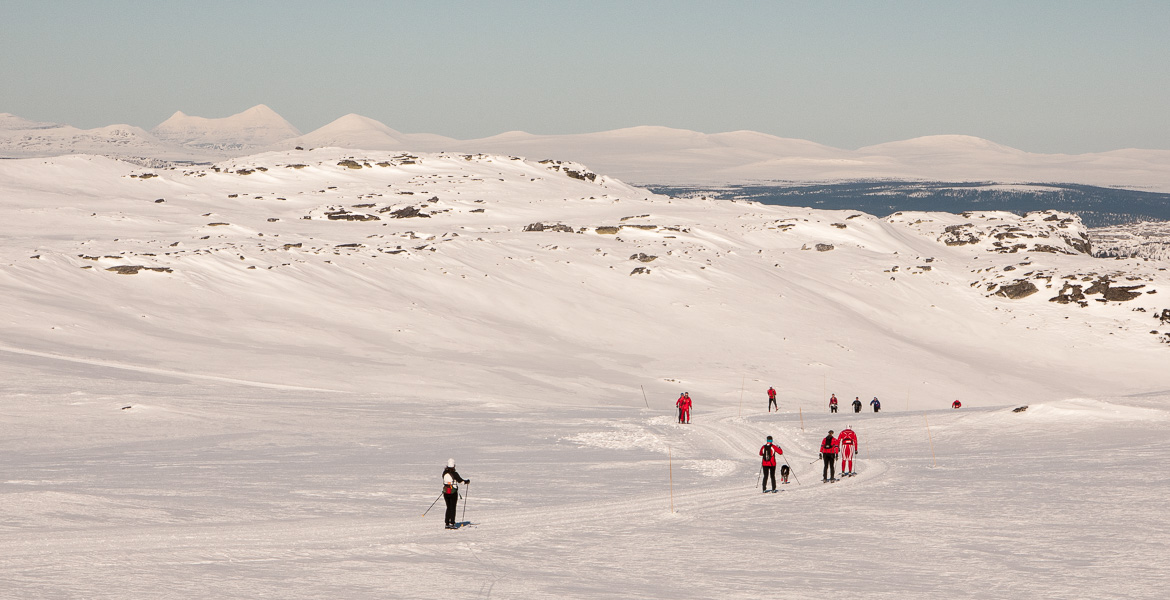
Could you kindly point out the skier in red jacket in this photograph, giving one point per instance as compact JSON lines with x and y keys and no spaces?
{"x":769,"y":451}
{"x":833,"y":403}
{"x":684,"y":407}
{"x":772,"y":399}
{"x":848,"y":441}
{"x":956,"y":404}
{"x":829,"y":450}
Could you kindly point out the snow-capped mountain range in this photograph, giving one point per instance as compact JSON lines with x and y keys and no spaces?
{"x":643,"y":155}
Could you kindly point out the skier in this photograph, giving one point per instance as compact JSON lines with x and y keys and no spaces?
{"x":451,"y":479}
{"x":956,"y":404}
{"x":829,"y":450}
{"x":681,"y":403}
{"x":833,"y":403}
{"x":686,"y":408}
{"x":772,"y":399}
{"x":877,"y":406}
{"x":769,"y":452}
{"x":848,"y":442}
{"x":856,"y":404}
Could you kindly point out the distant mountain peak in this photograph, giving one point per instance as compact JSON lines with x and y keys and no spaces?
{"x":942,"y":143}
{"x":11,"y":122}
{"x":253,"y":128}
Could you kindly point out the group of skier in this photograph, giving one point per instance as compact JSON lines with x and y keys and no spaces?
{"x":875,"y":403}
{"x":684,"y":407}
{"x":844,"y":444}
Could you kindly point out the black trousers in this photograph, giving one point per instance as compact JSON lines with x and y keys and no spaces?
{"x":771,"y":403}
{"x":832,"y":408}
{"x":830,"y":470}
{"x":769,"y":472}
{"x":452,"y":500}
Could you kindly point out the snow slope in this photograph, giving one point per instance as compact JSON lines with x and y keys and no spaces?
{"x":263,"y":406}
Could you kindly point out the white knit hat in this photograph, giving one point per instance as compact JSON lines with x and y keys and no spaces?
{"x":451,"y":462}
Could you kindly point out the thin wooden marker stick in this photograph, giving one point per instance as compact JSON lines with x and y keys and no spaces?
{"x":644,"y":396}
{"x":801,"y":417}
{"x":931,"y":438}
{"x":670,"y":463}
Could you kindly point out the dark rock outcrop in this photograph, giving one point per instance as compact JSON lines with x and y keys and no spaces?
{"x":1021,"y":288}
{"x":959,"y":235}
{"x":134,"y":269}
{"x":405,"y":213}
{"x":559,"y":227}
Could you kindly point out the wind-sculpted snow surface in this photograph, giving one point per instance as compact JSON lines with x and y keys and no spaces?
{"x":243,"y":380}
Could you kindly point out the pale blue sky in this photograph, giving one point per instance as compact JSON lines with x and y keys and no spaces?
{"x":1069,"y":76}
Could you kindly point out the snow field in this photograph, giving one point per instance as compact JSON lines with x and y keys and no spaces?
{"x":214,"y":490}
{"x":291,"y":407}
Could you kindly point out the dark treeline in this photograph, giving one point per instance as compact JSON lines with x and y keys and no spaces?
{"x":1097,"y":206}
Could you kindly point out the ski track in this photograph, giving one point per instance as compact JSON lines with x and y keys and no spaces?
{"x":578,"y":548}
{"x":166,"y":372}
{"x":151,"y":551}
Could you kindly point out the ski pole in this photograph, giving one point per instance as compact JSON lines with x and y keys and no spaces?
{"x":791,"y":470}
{"x":432,"y":504}
{"x":466,"y":495}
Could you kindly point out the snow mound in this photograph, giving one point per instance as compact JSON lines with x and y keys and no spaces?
{"x":1090,"y":410}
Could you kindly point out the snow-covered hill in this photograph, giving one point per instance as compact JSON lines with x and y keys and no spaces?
{"x":255,"y":128}
{"x":243,"y":379}
{"x":21,"y":137}
{"x":449,"y":251}
{"x":356,"y":131}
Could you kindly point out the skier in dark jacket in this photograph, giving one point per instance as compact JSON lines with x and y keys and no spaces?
{"x":451,"y":481}
{"x":856,"y":404}
{"x":769,"y":451}
{"x":829,"y":450}
{"x":877,"y":406}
